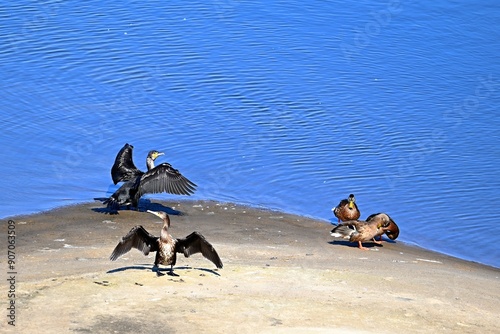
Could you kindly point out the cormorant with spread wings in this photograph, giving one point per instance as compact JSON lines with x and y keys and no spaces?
{"x":162,"y":178}
{"x":165,"y":246}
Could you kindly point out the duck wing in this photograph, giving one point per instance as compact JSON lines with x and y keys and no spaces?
{"x":124,"y":168}
{"x":196,"y":243}
{"x":368,"y":230}
{"x":346,"y":229}
{"x":372,"y":216}
{"x":137,"y":238}
{"x":165,"y":178}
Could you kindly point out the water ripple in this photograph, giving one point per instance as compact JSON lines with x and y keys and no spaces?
{"x":261,"y":105}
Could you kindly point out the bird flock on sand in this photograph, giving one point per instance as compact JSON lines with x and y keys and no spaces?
{"x":165,"y":178}
{"x":355,"y":230}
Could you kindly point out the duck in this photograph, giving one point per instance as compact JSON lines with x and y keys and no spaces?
{"x":165,"y":246}
{"x":347,"y":209}
{"x":393,"y":230}
{"x":362,"y":231}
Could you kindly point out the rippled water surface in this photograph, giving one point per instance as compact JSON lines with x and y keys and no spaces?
{"x":283,"y":104}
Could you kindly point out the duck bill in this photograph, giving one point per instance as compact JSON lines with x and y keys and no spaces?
{"x":351,"y":204}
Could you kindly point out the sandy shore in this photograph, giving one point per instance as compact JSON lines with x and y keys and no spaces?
{"x":282,"y":274}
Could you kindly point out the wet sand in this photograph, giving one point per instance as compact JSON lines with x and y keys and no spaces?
{"x":282,"y":274}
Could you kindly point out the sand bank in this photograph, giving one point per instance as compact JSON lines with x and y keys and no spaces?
{"x":282,"y":274}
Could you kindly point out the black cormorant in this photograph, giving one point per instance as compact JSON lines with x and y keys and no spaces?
{"x":162,"y":178}
{"x":165,"y":246}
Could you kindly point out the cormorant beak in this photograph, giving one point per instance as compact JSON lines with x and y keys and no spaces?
{"x":162,"y":215}
{"x":155,"y":213}
{"x":158,"y":154}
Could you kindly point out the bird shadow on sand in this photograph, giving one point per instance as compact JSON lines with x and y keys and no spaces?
{"x":367,"y":244}
{"x":166,"y":270}
{"x":144,"y":205}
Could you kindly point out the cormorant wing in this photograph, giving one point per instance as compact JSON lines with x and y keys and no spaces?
{"x":196,"y":243}
{"x":165,"y":178}
{"x":124,"y":169}
{"x":122,"y":196}
{"x":137,"y":238}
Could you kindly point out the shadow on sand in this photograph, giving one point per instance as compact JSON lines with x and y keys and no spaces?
{"x":144,"y":204}
{"x":167,"y":270}
{"x":367,"y":244}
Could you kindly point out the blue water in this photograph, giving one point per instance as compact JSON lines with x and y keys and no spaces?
{"x":283,"y":104}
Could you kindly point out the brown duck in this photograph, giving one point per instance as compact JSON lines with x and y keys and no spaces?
{"x":165,"y":246}
{"x":347,"y":209}
{"x":393,"y":230}
{"x":362,"y":231}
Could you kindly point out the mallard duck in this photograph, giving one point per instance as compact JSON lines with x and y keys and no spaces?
{"x":360,"y":231}
{"x":347,"y":209}
{"x":165,"y":246}
{"x":392,"y":231}
{"x":162,"y":178}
